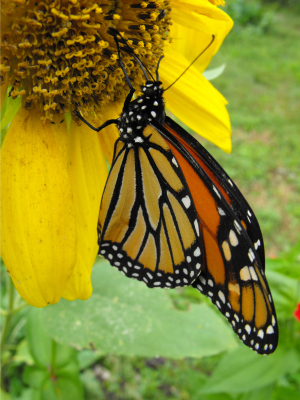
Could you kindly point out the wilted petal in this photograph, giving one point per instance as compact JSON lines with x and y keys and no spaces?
{"x":195,"y":101}
{"x":38,"y":229}
{"x":88,"y":173}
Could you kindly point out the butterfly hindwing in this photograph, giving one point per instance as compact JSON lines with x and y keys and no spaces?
{"x":148,"y":226}
{"x":232,"y":275}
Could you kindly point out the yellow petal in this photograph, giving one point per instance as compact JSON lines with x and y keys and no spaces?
{"x":38,"y":230}
{"x":194,"y":23}
{"x":217,"y":2}
{"x":195,"y":101}
{"x":110,"y":134}
{"x":88,"y":174}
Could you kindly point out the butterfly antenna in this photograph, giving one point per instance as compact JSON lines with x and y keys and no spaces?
{"x":211,"y":42}
{"x":119,"y":38}
{"x":157,"y":76}
{"x":122,"y":65}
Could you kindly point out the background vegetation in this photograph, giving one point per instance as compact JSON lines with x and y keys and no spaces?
{"x":128,"y":342}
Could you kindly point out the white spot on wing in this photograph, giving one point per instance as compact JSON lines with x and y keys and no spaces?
{"x":245,"y":274}
{"x":202,"y":280}
{"x":257,"y":244}
{"x":196,"y":225}
{"x":270,"y":330}
{"x":222,"y":296}
{"x":253,"y":274}
{"x":237,"y":226}
{"x":197,"y":252}
{"x":233,"y":238}
{"x":260,"y":333}
{"x":216,"y":191}
{"x":174,"y":161}
{"x":138,"y":139}
{"x":251,"y":255}
{"x":221,"y":211}
{"x":248,"y":329}
{"x":186,"y":201}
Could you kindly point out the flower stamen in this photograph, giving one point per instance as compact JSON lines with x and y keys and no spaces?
{"x":61,"y":55}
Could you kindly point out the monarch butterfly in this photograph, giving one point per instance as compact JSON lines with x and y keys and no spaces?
{"x":170,"y":216}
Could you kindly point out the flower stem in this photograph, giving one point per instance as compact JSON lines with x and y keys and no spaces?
{"x":9,"y":312}
{"x":6,"y":318}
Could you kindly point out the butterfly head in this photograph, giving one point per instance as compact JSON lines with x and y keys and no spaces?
{"x":142,"y":111}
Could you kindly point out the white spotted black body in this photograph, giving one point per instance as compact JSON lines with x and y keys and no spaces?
{"x":142,"y":111}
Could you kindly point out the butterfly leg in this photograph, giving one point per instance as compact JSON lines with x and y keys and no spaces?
{"x":109,"y":122}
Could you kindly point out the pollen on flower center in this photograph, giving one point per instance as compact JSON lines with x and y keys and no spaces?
{"x":60,"y":54}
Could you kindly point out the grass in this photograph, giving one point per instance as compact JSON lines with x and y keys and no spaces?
{"x":262,"y":85}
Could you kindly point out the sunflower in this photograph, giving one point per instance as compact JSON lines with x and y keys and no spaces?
{"x":58,"y":56}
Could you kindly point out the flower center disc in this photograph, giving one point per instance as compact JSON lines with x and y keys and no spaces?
{"x":59,"y":53}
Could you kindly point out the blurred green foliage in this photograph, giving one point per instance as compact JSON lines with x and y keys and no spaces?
{"x":247,"y":13}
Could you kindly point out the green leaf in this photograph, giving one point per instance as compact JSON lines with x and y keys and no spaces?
{"x":213,"y":73}
{"x":4,"y":395}
{"x":11,"y":108}
{"x":92,"y":386}
{"x":55,"y":384}
{"x":43,"y":349}
{"x":64,"y":356}
{"x":29,"y":394}
{"x":125,"y":317}
{"x":286,"y":393}
{"x":243,"y":371}
{"x":40,"y":345}
{"x":23,"y":354}
{"x":264,"y":393}
{"x":62,"y":389}
{"x":35,"y":376}
{"x":88,"y":357}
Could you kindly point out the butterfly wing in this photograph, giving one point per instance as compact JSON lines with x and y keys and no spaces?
{"x":232,"y":274}
{"x":223,"y":183}
{"x":148,"y":225}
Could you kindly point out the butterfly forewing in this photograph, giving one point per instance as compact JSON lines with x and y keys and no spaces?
{"x":223,"y":183}
{"x":148,"y":225}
